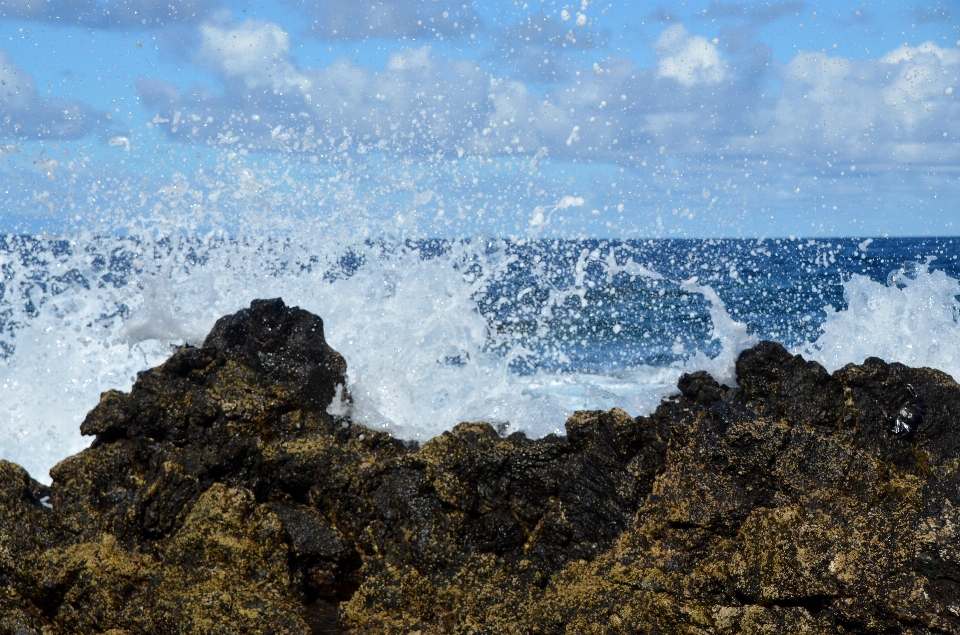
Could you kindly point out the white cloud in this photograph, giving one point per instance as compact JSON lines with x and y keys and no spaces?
{"x":418,"y":103}
{"x":422,"y":102}
{"x":907,"y":53}
{"x":256,"y":52}
{"x":829,"y":110}
{"x":689,"y":59}
{"x":895,"y":109}
{"x":920,"y":82}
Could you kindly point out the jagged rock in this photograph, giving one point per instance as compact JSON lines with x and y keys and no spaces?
{"x":219,"y":496}
{"x":227,"y":570}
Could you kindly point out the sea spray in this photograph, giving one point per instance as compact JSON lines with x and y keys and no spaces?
{"x":518,"y":333}
{"x":913,"y":319}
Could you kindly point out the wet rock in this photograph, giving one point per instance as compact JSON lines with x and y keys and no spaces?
{"x":227,"y":570}
{"x":219,"y":496}
{"x":16,"y":617}
{"x":24,"y":525}
{"x":89,"y":587}
{"x":784,"y":508}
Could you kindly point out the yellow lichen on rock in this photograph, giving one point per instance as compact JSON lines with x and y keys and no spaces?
{"x":226,"y":570}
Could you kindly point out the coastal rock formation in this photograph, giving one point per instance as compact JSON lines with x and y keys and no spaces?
{"x":220,"y":496}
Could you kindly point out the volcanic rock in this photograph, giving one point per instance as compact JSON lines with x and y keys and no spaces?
{"x":220,"y":496}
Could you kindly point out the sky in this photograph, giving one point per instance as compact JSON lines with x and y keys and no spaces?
{"x":537,"y":119}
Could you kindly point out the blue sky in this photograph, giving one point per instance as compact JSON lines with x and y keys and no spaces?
{"x":515,"y":118}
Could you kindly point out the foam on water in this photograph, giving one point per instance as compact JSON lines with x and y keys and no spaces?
{"x":914,"y":319}
{"x":424,"y":348}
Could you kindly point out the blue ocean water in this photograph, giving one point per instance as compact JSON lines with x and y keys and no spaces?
{"x":780,"y":289}
{"x":518,"y":332}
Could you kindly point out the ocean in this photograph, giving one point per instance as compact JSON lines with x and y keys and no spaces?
{"x":517,"y":332}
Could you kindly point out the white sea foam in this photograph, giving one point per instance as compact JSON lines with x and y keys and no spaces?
{"x":418,"y":349}
{"x":913,"y":319}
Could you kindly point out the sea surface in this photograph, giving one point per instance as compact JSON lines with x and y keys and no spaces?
{"x":520,"y":333}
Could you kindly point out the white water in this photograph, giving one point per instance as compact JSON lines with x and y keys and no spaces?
{"x":396,"y":320}
{"x":914,"y":320}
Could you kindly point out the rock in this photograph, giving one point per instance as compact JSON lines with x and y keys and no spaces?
{"x":227,"y":570}
{"x":785,"y":507}
{"x":219,"y":496}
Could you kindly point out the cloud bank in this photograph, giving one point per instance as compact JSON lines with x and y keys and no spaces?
{"x":901,"y":108}
{"x":425,"y":103}
{"x":694,"y":101}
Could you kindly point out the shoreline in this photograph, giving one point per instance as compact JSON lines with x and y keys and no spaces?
{"x":220,"y":496}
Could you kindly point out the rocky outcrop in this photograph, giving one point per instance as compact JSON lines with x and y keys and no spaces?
{"x":219,"y":496}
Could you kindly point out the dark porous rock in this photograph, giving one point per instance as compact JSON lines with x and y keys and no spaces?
{"x":220,"y":496}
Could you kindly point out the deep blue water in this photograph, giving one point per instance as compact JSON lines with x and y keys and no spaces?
{"x":779,"y":288}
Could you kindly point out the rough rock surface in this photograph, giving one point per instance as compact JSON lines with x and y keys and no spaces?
{"x":220,"y":497}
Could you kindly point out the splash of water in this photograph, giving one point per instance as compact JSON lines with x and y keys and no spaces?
{"x":914,"y":319}
{"x":434,"y":332}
